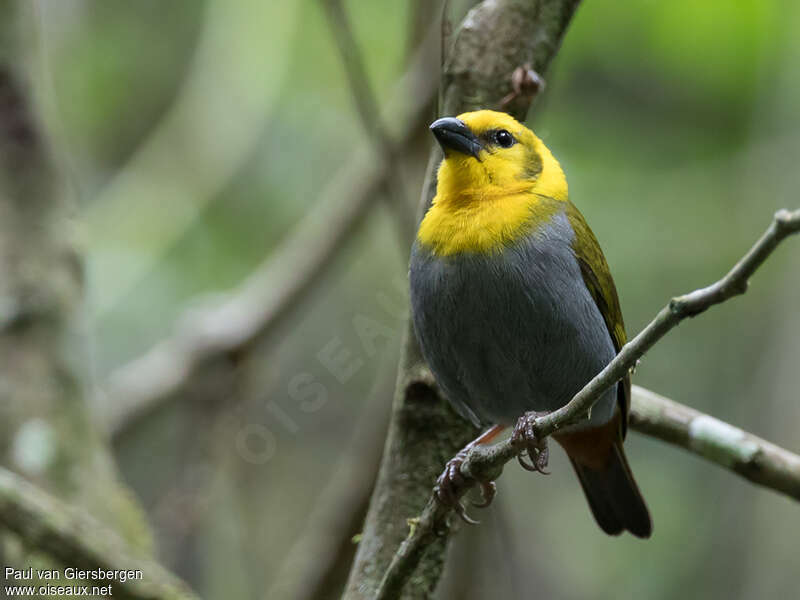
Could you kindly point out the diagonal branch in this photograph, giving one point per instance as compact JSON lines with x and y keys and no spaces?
{"x":734,"y":283}
{"x":249,"y":312}
{"x":717,"y":441}
{"x":369,"y":113}
{"x":77,"y":540}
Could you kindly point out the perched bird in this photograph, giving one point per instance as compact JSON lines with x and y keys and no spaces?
{"x":514,"y":306}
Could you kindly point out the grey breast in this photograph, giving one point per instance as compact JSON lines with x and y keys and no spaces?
{"x":512,"y":332}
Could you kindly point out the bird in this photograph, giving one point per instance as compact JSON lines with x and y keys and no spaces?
{"x":514,"y":306}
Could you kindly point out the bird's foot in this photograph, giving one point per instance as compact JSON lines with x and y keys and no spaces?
{"x":452,"y":484}
{"x":527,"y":438}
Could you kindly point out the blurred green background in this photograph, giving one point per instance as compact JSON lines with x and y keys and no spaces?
{"x":195,"y":135}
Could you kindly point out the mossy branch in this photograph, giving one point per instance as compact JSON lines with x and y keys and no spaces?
{"x":47,"y":430}
{"x":77,"y":540}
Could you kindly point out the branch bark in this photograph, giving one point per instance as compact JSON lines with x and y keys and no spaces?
{"x":759,"y":461}
{"x":47,"y":432}
{"x":77,"y":540}
{"x":495,"y":38}
{"x":755,"y":459}
{"x":46,"y":428}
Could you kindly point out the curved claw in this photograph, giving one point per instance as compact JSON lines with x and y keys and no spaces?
{"x":488,"y":492}
{"x":526,"y":465}
{"x":542,"y":459}
{"x":536,"y":449}
{"x":452,"y":482}
{"x":535,"y":466}
{"x":461,"y":512}
{"x":541,"y":470}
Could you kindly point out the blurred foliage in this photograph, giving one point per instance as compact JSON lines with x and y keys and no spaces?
{"x":677,"y":126}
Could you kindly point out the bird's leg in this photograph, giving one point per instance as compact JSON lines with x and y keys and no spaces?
{"x":526,"y":437}
{"x":451,"y":482}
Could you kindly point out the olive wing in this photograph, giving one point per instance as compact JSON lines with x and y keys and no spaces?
{"x":598,"y":280}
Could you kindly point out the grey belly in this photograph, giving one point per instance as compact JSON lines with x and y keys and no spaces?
{"x":510,"y":333}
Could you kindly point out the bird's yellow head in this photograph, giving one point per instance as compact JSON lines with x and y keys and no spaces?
{"x":496,"y":181}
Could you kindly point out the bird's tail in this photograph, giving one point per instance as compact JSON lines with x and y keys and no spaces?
{"x":613,"y":495}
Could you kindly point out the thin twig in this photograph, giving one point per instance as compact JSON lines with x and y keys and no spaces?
{"x":446,"y":31}
{"x":734,"y":283}
{"x":710,"y":438}
{"x":369,"y":113}
{"x":77,"y":540}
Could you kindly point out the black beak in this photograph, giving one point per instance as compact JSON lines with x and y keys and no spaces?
{"x":452,"y":134}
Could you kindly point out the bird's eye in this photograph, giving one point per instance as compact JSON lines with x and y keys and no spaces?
{"x":504,"y":139}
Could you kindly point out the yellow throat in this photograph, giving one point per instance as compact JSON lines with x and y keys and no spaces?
{"x":488,"y":200}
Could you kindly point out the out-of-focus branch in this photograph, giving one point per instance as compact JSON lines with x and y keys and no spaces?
{"x":252,"y":310}
{"x":495,"y":39}
{"x":368,"y":111}
{"x":259,"y":304}
{"x":316,"y":557}
{"x":755,"y":459}
{"x":196,"y":148}
{"x":47,"y":431}
{"x":77,"y":540}
{"x":704,"y":435}
{"x":422,"y":14}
